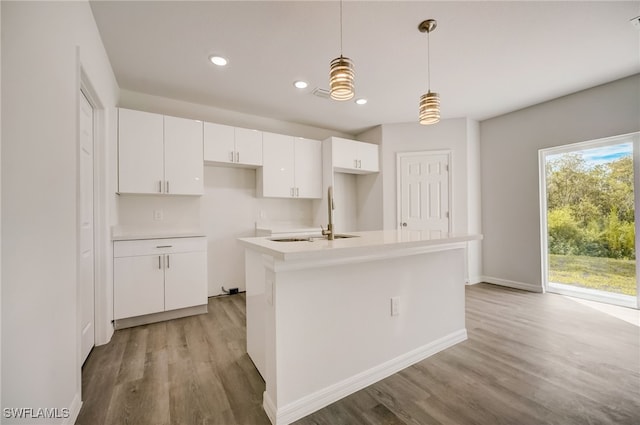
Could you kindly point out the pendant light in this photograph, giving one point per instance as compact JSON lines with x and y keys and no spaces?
{"x":341,"y":73}
{"x":429,"y":102}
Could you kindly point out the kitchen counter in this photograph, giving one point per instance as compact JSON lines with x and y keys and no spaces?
{"x":126,"y":233}
{"x":361,"y":244}
{"x":328,"y":318}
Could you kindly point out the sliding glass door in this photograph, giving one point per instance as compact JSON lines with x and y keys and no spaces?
{"x":589,"y":198}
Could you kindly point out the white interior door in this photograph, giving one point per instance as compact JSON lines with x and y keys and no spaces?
{"x":86,"y":251}
{"x":424,"y":191}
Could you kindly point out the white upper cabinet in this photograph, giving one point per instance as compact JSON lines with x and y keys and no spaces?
{"x":140,"y":152}
{"x":159,"y":154}
{"x":350,"y":156}
{"x":228,"y":145}
{"x":292,"y":167}
{"x":248,"y":146}
{"x":183,"y":166}
{"x":219,"y":143}
{"x":308,"y":168}
{"x":278,"y":178}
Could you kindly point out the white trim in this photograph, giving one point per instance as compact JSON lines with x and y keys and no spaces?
{"x":474,"y":280}
{"x":269,"y":407}
{"x":103,"y":326}
{"x":74,"y":410}
{"x":399,"y":156}
{"x":593,"y":295}
{"x":513,"y":284}
{"x":319,"y":399}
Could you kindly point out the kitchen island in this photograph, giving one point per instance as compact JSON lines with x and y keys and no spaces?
{"x":326,"y":318}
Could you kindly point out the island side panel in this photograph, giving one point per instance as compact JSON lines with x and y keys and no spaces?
{"x":333,"y":324}
{"x":255,"y":302}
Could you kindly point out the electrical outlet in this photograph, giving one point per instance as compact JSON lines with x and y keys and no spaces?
{"x":395,"y":306}
{"x":158,"y":215}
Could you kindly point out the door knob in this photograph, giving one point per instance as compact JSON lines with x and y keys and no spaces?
{"x":404,"y":224}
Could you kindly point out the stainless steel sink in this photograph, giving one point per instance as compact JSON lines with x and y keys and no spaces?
{"x":307,"y":239}
{"x":310,"y":238}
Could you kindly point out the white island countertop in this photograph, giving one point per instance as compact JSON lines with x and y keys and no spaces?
{"x":367,"y":244}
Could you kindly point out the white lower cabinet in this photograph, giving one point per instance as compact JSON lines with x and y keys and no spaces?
{"x":158,"y":275}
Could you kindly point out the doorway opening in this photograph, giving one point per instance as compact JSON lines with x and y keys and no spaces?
{"x":589,"y":206}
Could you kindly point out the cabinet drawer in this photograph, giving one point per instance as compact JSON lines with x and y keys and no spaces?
{"x":158,"y":246}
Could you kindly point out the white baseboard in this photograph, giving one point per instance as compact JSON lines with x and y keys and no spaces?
{"x":74,"y":410}
{"x":512,"y":284}
{"x":474,"y":280}
{"x":319,"y":399}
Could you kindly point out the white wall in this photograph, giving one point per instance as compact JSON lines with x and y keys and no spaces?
{"x":461,"y":136}
{"x":510,"y":145}
{"x":450,"y":134}
{"x":40,"y":83}
{"x":370,"y":188}
{"x":229,"y":208}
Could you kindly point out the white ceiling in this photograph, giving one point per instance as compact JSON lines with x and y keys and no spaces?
{"x":487,"y":57}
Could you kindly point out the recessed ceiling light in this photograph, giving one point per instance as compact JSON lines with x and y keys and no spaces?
{"x":361,"y":101}
{"x":218,"y":60}
{"x":300,"y":84}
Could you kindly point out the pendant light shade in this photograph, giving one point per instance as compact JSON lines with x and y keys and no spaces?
{"x":429,"y":102}
{"x":429,"y":108}
{"x":341,"y":75}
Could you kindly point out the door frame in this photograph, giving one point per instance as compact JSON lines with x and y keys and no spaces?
{"x":399,"y":157}
{"x":102,"y":317}
{"x":615,"y":299}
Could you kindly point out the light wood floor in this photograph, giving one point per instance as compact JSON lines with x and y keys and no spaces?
{"x":530,"y":359}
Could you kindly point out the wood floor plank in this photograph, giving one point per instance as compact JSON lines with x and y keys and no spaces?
{"x":531,"y":359}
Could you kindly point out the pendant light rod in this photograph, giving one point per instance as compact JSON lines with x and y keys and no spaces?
{"x":340,"y":27}
{"x":428,"y":26}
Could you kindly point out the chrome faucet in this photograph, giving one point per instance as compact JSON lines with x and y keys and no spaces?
{"x":329,"y":233}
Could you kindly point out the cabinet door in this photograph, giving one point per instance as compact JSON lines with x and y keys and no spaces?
{"x":277,"y":166}
{"x":248,"y":146}
{"x":138,"y":286}
{"x":183,"y":162}
{"x":185,"y":280}
{"x":219,"y":143}
{"x":368,"y":157}
{"x":345,"y":153}
{"x":140,"y":152}
{"x":308,"y":168}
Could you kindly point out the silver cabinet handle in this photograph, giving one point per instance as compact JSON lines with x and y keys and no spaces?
{"x":297,"y":192}
{"x":164,"y":246}
{"x":291,"y":191}
{"x":168,"y":264}
{"x":231,"y":156}
{"x":359,"y":164}
{"x":237,"y":156}
{"x":159,"y":262}
{"x":166,"y":186}
{"x":355,"y":163}
{"x":159,"y":186}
